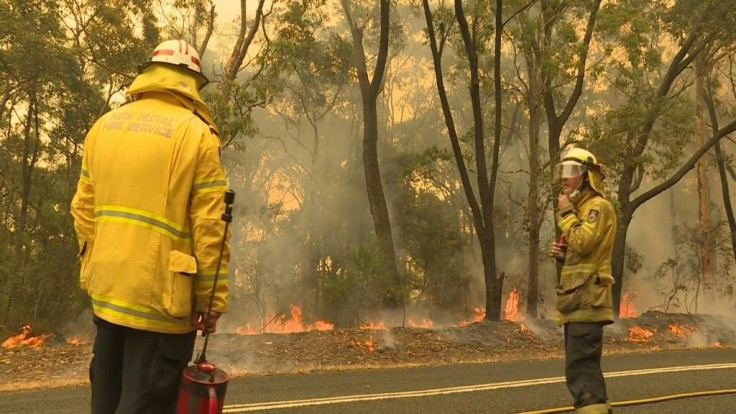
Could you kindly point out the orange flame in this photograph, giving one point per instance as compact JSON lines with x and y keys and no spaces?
{"x":286,"y":324}
{"x":368,"y":344}
{"x":680,"y":330}
{"x":627,"y":308}
{"x":527,"y":332}
{"x":639,"y":334}
{"x":75,"y":340}
{"x":511,"y":310}
{"x":424,"y":323}
{"x":246,"y":330}
{"x":478,"y":315}
{"x":378,"y":326}
{"x":282,"y":324}
{"x":320,"y":326}
{"x":24,"y":338}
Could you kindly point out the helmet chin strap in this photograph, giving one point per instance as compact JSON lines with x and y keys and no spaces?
{"x":575,"y":195}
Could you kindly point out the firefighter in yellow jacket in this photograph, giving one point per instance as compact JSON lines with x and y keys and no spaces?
{"x":584,"y":305}
{"x":147,"y":213}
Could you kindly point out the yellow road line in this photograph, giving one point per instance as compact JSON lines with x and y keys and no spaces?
{"x":273,"y":405}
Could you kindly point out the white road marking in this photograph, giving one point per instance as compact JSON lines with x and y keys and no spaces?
{"x":242,"y":408}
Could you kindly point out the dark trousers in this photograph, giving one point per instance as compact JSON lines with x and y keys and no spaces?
{"x":137,"y":372}
{"x":583,"y":350}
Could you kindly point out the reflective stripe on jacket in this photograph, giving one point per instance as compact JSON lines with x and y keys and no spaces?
{"x":584,"y":291}
{"x":147,"y":212}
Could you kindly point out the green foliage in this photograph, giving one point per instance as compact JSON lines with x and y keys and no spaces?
{"x":348,"y":292}
{"x":58,"y":67}
{"x":304,"y":223}
{"x":679,"y":281}
{"x":431,"y":233}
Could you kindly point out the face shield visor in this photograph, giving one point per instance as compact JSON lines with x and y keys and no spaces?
{"x":569,"y":170}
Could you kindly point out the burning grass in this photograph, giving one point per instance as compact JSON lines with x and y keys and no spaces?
{"x":61,"y":363}
{"x":24,"y":338}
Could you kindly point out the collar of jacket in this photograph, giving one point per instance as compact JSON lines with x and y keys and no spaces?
{"x":173,"y":81}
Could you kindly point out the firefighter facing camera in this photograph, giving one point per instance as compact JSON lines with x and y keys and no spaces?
{"x":584,"y":304}
{"x":147,"y":213}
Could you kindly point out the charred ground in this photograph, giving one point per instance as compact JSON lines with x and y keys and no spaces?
{"x":58,"y":363}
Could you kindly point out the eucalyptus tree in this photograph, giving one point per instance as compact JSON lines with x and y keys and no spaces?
{"x":193,"y":21}
{"x":63,"y":62}
{"x":473,"y":37}
{"x":704,"y":67}
{"x":554,"y":38}
{"x":721,"y":93}
{"x":239,"y":88}
{"x":312,"y":67}
{"x":363,"y":19}
{"x":647,"y":133}
{"x":30,"y":34}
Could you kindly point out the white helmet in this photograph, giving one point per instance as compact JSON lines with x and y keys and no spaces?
{"x":576,"y":162}
{"x":178,"y":53}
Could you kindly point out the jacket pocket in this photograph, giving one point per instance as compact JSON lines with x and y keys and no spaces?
{"x":177,"y":298}
{"x":600,"y":292}
{"x":84,"y":256}
{"x":572,"y":292}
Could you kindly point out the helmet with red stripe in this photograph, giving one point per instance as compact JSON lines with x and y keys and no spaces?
{"x":178,"y":53}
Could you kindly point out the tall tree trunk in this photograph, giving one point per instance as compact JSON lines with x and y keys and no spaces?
{"x":534,"y":212}
{"x":310,"y":258}
{"x":706,"y":247}
{"x":556,"y":121}
{"x":495,"y":291}
{"x":636,"y":144}
{"x":725,"y":192}
{"x":486,"y":185}
{"x":31,"y":147}
{"x":370,"y":89}
{"x":482,"y":211}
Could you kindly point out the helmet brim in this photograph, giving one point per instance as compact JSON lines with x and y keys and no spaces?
{"x":202,"y":80}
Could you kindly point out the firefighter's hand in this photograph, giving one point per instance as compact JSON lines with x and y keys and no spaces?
{"x":563,"y":202}
{"x":557,"y":250}
{"x":198,"y":321}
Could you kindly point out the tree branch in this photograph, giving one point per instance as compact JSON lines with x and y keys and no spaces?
{"x":641,"y":199}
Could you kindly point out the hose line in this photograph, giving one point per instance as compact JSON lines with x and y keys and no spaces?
{"x":642,"y":401}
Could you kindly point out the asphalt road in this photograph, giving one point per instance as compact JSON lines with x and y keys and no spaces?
{"x":469,"y":388}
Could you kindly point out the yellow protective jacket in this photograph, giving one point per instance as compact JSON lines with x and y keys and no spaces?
{"x":148,"y":208}
{"x":584,"y":291}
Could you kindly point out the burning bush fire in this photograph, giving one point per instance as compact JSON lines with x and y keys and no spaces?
{"x":373,"y":345}
{"x":292,"y":322}
{"x":283,"y":324}
{"x":627,"y":308}
{"x":24,"y":338}
{"x":639,"y":334}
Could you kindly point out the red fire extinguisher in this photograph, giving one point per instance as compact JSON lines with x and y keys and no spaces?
{"x":203,"y":385}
